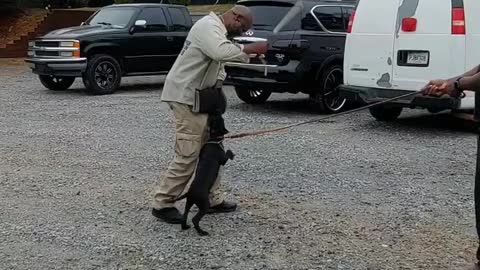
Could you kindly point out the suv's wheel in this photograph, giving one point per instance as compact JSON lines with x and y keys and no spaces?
{"x":252,"y":96}
{"x":103,"y":74}
{"x":327,"y":98}
{"x":385,"y":113}
{"x":56,"y":83}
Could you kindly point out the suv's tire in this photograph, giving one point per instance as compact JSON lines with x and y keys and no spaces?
{"x":103,"y":75}
{"x":252,"y":96}
{"x":326,"y":99}
{"x":385,"y":113}
{"x":56,"y":83}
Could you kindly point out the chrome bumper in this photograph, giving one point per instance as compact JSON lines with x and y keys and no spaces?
{"x":73,"y":67}
{"x":55,"y":60}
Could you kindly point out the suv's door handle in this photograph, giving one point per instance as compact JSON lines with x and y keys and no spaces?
{"x":170,"y":38}
{"x":330,"y":48}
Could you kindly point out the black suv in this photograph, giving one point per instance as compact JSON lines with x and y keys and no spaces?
{"x":116,"y":41}
{"x":306,"y":43}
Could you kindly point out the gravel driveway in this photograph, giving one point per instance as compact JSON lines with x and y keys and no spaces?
{"x":77,"y":173}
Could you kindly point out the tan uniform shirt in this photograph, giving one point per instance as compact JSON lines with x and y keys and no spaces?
{"x":201,"y":61}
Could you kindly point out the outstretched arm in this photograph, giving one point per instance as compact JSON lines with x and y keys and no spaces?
{"x":467,"y":81}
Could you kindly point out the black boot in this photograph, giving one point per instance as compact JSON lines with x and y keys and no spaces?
{"x":169,"y":215}
{"x":223,"y":207}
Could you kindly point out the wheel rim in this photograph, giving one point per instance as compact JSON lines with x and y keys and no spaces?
{"x":255,"y":93}
{"x":331,"y":94}
{"x":105,"y":75}
{"x":57,"y":80}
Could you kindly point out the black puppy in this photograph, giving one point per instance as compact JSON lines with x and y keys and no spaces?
{"x":212,"y":156}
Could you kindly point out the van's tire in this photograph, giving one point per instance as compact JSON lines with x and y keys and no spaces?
{"x":103,"y":75}
{"x":252,"y":96}
{"x":326,"y":99}
{"x":385,"y":113}
{"x":56,"y":83}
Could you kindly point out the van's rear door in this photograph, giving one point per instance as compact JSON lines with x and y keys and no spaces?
{"x":426,"y":45}
{"x":369,"y":46}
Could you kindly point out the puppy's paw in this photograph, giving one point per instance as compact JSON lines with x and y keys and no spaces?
{"x":230,"y":154}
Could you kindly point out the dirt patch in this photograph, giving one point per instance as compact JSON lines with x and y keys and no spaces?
{"x":12,"y":61}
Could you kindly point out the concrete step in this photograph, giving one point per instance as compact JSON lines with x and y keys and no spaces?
{"x":15,"y":44}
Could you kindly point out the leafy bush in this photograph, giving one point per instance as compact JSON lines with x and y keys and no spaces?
{"x":177,"y":2}
{"x":181,"y":2}
{"x":100,"y":3}
{"x":77,"y":3}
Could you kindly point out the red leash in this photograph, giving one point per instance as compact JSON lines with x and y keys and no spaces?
{"x":319,"y":119}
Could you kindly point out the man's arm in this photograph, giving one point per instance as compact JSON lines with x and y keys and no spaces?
{"x":469,"y":73}
{"x":467,"y":81}
{"x":470,"y":82}
{"x":216,"y":45}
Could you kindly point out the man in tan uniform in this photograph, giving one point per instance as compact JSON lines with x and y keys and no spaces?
{"x":199,"y":65}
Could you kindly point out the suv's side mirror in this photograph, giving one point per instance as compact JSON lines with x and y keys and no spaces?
{"x":139,"y":25}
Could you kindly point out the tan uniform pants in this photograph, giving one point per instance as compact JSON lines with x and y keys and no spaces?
{"x":191,"y":134}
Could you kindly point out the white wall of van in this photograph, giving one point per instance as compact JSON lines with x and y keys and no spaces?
{"x":402,"y":44}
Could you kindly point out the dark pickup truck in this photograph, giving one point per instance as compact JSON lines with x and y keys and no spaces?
{"x":116,"y":41}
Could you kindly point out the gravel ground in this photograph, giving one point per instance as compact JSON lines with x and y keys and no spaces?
{"x":77,"y":173}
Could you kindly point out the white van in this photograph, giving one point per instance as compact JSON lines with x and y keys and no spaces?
{"x":394,"y":47}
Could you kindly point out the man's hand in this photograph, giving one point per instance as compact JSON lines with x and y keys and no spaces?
{"x":439,"y":88}
{"x":255,"y":48}
{"x":219,"y":84}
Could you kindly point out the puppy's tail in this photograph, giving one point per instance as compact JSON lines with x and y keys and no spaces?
{"x":177,"y":198}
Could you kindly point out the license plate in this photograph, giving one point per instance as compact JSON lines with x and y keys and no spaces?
{"x":417,"y":58}
{"x":41,"y":67}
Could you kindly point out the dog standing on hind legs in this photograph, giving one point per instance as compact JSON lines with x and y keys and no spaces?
{"x":212,"y":157}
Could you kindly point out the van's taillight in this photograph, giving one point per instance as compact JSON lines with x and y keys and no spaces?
{"x":350,"y":22}
{"x":409,"y":25}
{"x":458,"y":21}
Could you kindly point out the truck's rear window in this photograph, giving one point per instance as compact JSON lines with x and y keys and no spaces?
{"x":117,"y":17}
{"x":267,"y":16}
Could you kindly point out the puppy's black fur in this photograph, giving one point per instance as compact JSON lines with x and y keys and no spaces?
{"x":212,"y":156}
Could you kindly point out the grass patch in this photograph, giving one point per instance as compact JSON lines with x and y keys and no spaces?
{"x":195,"y":9}
{"x":208,"y":8}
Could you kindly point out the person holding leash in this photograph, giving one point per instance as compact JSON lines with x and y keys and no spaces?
{"x":200,"y":65}
{"x":455,"y":87}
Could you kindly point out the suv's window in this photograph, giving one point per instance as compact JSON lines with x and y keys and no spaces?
{"x":116,"y":17}
{"x":310,"y":23}
{"x":178,"y":19}
{"x":331,"y":18}
{"x":155,"y":19}
{"x":267,"y":16}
